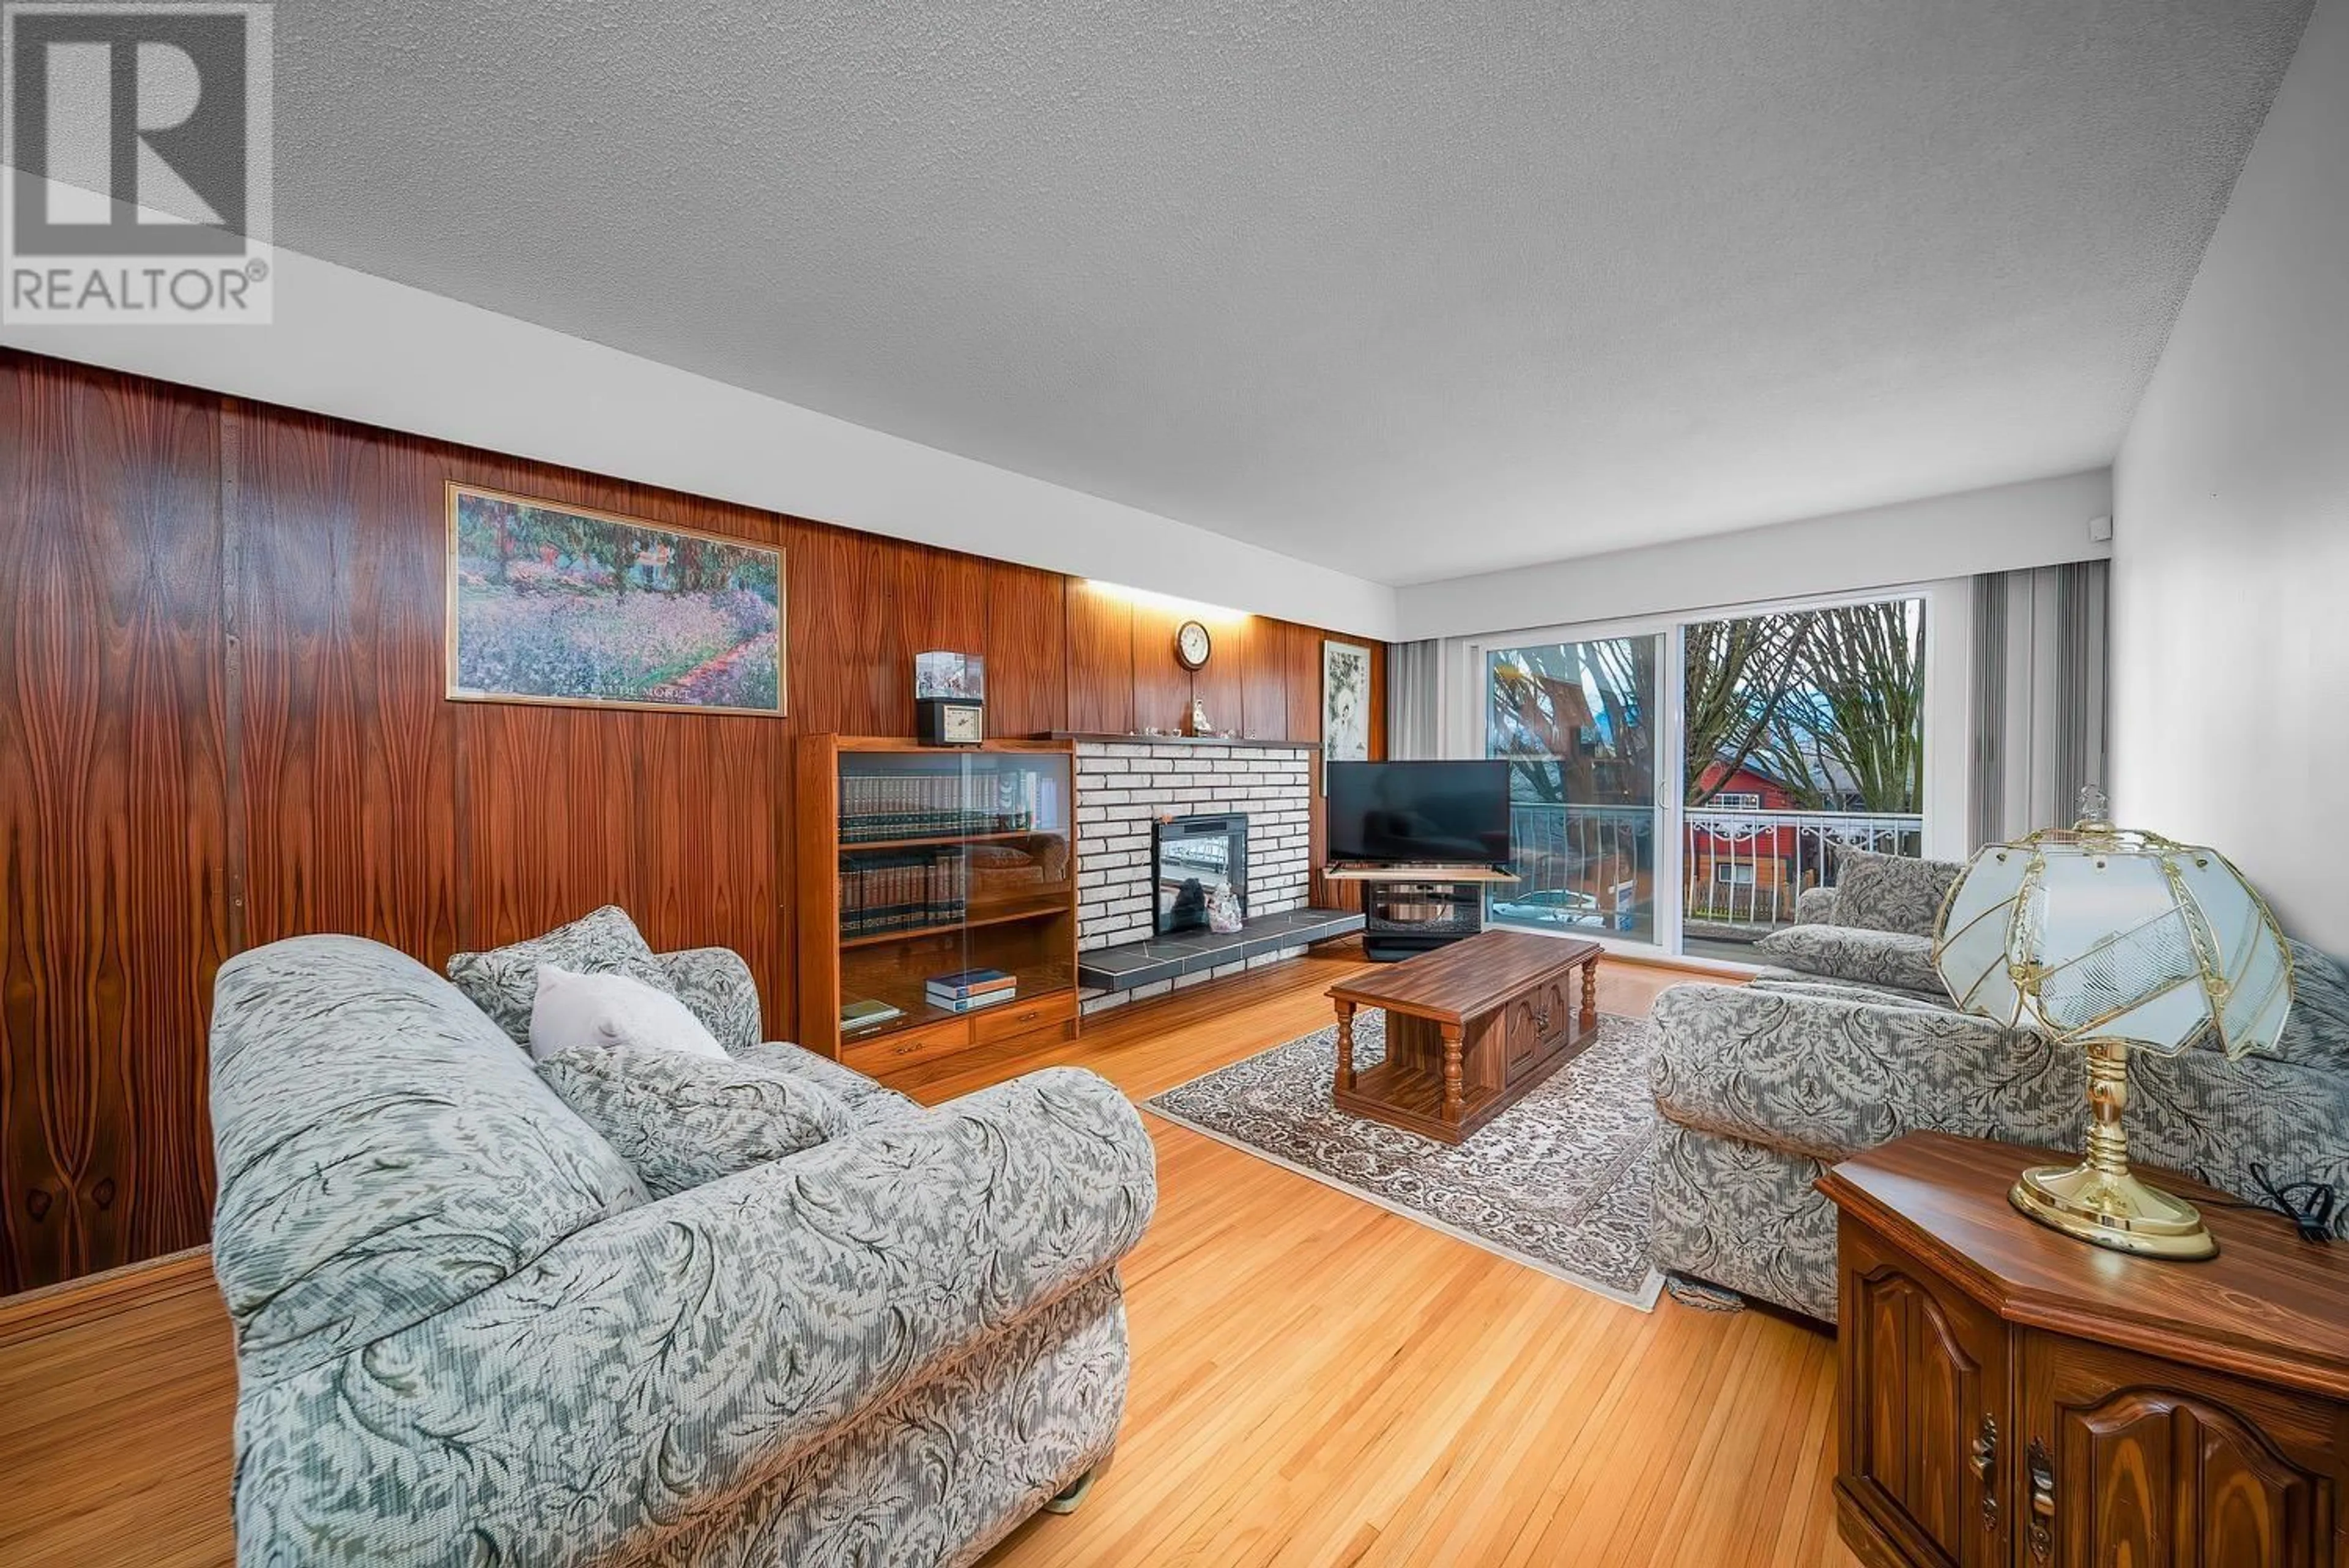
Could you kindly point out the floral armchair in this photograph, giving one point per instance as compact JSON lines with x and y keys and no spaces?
{"x":1761,"y":1087}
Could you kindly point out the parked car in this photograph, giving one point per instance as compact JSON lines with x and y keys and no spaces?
{"x":1551,"y":906}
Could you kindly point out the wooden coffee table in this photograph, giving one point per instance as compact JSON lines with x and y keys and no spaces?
{"x":1470,"y":1029}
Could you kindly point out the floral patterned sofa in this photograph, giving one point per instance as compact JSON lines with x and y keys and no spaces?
{"x":1761,"y":1087}
{"x":467,"y":1332}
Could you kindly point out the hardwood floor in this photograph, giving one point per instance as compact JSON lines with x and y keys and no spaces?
{"x":1319,"y":1381}
{"x":1316,"y":1380}
{"x":116,"y":1396}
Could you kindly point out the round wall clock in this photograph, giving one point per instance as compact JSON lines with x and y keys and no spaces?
{"x":1191,"y":645}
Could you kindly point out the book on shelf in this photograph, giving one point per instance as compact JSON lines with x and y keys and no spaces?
{"x":971,"y":982}
{"x":973,"y":1003}
{"x":866,"y":1014}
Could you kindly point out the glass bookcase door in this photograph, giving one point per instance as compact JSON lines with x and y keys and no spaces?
{"x":957,"y":886}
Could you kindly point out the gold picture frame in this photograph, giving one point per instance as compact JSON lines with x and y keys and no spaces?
{"x":562,"y":606}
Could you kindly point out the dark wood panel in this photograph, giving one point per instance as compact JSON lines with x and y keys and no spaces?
{"x":1264,"y":678}
{"x":941,"y":604}
{"x":347,"y":761}
{"x":1162,"y":687}
{"x":113,"y":815}
{"x":548,"y":817}
{"x":713,"y":788}
{"x":1100,"y":660}
{"x":1301,"y":669}
{"x":843,"y":606}
{"x":1026,"y":650}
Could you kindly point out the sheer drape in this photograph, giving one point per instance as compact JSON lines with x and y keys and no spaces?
{"x":1413,"y":722}
{"x":2039,"y":695}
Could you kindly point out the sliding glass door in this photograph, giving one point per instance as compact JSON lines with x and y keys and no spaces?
{"x":1802,"y":733}
{"x":1578,"y":723}
{"x":1679,"y":785}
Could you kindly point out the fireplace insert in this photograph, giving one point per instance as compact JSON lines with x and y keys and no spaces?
{"x":1189,"y":856}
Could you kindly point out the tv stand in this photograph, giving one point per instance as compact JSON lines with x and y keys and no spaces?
{"x":1359,"y":871}
{"x":1401,"y":918}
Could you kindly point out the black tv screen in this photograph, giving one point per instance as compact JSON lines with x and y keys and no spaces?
{"x":1452,"y":814}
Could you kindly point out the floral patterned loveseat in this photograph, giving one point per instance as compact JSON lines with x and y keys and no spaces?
{"x":1761,"y":1087}
{"x":467,"y":1332}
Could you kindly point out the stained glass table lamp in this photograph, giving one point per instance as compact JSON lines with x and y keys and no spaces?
{"x":2115,"y":940}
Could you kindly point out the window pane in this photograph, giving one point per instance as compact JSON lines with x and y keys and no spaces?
{"x":1576,"y":722}
{"x":1805,"y":731}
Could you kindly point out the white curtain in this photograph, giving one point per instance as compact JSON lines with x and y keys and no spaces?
{"x":1414,"y":721}
{"x":2039,"y":696}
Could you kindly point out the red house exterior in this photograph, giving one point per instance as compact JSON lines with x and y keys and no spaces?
{"x":1734,"y":866}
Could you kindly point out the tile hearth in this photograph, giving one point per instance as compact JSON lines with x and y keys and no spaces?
{"x":1157,"y":963}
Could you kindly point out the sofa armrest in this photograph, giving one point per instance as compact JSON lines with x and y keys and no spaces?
{"x":719,"y":988}
{"x":657,"y":1363}
{"x":1829,"y":1077}
{"x":1815,"y":907}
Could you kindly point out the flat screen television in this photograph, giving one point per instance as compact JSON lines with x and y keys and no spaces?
{"x":1420,"y":813}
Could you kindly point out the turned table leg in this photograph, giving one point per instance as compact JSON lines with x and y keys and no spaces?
{"x":1346,"y":1045}
{"x":1454,"y":1104}
{"x":1590,"y":993}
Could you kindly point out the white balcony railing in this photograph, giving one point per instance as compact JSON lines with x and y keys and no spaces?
{"x":1741,"y":871}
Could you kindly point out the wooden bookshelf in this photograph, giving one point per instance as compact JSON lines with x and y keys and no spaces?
{"x":915,"y":861}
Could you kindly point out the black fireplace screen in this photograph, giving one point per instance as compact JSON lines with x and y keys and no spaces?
{"x":1191,"y":856}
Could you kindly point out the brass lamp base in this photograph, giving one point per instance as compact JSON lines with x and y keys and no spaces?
{"x":2100,"y":1200}
{"x":2113,"y":1209}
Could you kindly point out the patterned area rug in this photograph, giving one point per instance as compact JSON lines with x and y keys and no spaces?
{"x":1559,"y":1181}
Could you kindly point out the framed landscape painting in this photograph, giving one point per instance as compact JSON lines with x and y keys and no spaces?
{"x":557,"y":604}
{"x":1345,"y":702}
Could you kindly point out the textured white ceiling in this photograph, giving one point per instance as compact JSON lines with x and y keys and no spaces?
{"x":1412,"y":289}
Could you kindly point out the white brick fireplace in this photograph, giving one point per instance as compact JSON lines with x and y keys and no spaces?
{"x":1123,"y":785}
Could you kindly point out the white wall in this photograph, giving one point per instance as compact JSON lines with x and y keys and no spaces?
{"x":351,"y":344}
{"x":2231,"y":567}
{"x":2039,"y":523}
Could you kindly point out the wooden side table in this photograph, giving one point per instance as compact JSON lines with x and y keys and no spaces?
{"x":2013,"y":1397}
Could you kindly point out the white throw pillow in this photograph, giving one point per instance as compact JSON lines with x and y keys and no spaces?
{"x":574,"y":1010}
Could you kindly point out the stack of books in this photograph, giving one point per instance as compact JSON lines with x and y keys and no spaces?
{"x":968,"y":990}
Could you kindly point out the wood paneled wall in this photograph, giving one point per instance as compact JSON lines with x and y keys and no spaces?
{"x":221,"y":723}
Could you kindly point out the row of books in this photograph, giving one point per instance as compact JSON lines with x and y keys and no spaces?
{"x":939,"y":805}
{"x":929,"y":824}
{"x":900,"y":892}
